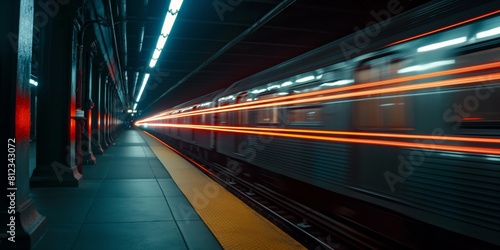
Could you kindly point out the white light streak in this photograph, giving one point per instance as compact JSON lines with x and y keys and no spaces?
{"x":442,"y":44}
{"x":144,"y":82}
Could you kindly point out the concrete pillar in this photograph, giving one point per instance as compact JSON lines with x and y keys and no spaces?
{"x":104,"y":112}
{"x":57,"y":157}
{"x":113,"y":112}
{"x":20,"y":223}
{"x":96,"y":112}
{"x":109,"y":105}
{"x":88,"y":106}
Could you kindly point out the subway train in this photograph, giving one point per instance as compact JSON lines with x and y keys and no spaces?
{"x":395,"y":128}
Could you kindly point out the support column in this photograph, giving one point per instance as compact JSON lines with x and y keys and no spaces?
{"x":109,"y":106}
{"x":104,"y":112}
{"x":113,"y":113}
{"x":96,"y":114}
{"x":57,"y":157}
{"x":88,"y":106}
{"x":20,"y":223}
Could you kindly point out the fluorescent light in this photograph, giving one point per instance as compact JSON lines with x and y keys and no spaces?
{"x":33,"y":82}
{"x":135,"y":106}
{"x":136,"y":77}
{"x":258,"y":91}
{"x":170,"y":17}
{"x":305,"y":79}
{"x":442,"y":44}
{"x":168,"y":24}
{"x":273,"y":87}
{"x":129,"y":111}
{"x":337,"y":83}
{"x":175,"y":5}
{"x":144,"y":82}
{"x":425,"y":66}
{"x":161,"y":43}
{"x":282,"y":93}
{"x":386,"y":104}
{"x":152,"y":63}
{"x":487,"y":33}
{"x":156,"y":54}
{"x":286,"y":84}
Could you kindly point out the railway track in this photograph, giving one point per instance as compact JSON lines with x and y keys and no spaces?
{"x":311,"y":228}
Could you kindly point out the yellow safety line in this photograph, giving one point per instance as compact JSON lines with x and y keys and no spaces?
{"x":233,"y":223}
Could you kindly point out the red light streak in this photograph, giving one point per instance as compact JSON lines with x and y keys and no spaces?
{"x":472,"y":119}
{"x":261,"y":131}
{"x":273,"y":101}
{"x":445,"y":28}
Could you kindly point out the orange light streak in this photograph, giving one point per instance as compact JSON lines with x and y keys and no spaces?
{"x":331,"y":132}
{"x":445,"y":28}
{"x":442,"y":83}
{"x":472,"y":119}
{"x":467,"y":149}
{"x":250,"y":105}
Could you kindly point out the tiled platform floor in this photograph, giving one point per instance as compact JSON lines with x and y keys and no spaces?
{"x":127,"y":201}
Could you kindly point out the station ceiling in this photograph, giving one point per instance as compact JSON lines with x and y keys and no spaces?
{"x":214,"y":43}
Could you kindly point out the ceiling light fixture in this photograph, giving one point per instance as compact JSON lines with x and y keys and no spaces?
{"x":173,"y":10}
{"x":146,"y":77}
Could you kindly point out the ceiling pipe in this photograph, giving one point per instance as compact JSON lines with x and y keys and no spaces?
{"x":266,"y":18}
{"x":141,"y":37}
{"x":141,"y":40}
{"x":122,"y":15}
{"x":134,"y":84}
{"x":120,"y":72}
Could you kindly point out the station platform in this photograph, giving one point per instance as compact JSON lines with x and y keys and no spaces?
{"x":142,"y":195}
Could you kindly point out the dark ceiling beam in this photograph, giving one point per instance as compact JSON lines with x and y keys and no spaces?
{"x":122,"y":16}
{"x":242,"y":42}
{"x":115,"y":42}
{"x":266,"y":18}
{"x":141,"y":41}
{"x":308,"y":30}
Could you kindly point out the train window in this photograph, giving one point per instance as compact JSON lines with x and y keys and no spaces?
{"x":242,"y":115}
{"x":382,"y":111}
{"x":203,"y":119}
{"x":269,"y":114}
{"x":479,"y":103}
{"x":223,"y":116}
{"x":195,"y":119}
{"x":304,"y":115}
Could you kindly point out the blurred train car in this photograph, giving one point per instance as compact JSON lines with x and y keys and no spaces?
{"x":194,"y":139}
{"x":398,"y":131}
